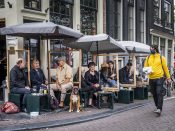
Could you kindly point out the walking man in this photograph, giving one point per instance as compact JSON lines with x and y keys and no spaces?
{"x":156,"y":77}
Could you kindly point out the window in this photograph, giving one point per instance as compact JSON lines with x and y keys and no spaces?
{"x":142,"y":25}
{"x":142,"y":4}
{"x":61,"y":12}
{"x":157,"y":11}
{"x":130,"y":23}
{"x":131,"y":2}
{"x":162,"y":46}
{"x":169,"y":52}
{"x":2,"y":4}
{"x":167,"y":9}
{"x":86,"y":58}
{"x":34,"y":47}
{"x":88,"y":16}
{"x":32,"y":44}
{"x":32,"y":4}
{"x":155,"y":40}
{"x":117,"y":20}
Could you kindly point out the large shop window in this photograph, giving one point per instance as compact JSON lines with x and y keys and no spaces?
{"x":32,"y":44}
{"x":2,"y":4}
{"x":167,"y":9}
{"x":88,"y":16}
{"x":32,"y":4}
{"x":162,"y":46}
{"x":155,"y":40}
{"x":157,"y":11}
{"x":58,"y":49}
{"x":61,"y":12}
{"x":130,"y":23}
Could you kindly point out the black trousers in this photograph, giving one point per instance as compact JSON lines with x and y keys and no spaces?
{"x":156,"y":87}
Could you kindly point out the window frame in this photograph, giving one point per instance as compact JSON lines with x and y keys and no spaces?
{"x":57,"y":17}
{"x":2,"y":3}
{"x":86,"y":20}
{"x":142,"y":25}
{"x":167,"y":13}
{"x":157,"y":18}
{"x":130,"y":25}
{"x":39,"y":2}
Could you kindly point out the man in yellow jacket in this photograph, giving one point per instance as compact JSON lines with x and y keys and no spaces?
{"x":156,"y":77}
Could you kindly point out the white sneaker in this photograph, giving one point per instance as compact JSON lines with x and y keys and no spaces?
{"x":158,"y":111}
{"x":155,"y":110}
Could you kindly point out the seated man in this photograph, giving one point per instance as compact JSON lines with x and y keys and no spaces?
{"x":64,"y":80}
{"x":124,"y":74}
{"x":18,"y":80}
{"x":37,"y":76}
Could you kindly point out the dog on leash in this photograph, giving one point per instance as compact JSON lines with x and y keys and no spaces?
{"x":74,"y":100}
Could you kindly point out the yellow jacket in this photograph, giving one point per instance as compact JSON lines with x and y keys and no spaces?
{"x":154,"y":61}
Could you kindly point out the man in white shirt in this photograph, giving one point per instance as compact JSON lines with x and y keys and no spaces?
{"x":64,"y":80}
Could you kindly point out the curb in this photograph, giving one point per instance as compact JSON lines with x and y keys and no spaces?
{"x":65,"y":122}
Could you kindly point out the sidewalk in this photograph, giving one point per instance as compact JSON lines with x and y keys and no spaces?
{"x":23,"y":121}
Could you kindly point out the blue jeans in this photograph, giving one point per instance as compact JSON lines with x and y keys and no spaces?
{"x":112,"y":83}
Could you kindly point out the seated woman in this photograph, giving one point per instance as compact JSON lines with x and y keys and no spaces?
{"x":92,"y":80}
{"x":112,"y":74}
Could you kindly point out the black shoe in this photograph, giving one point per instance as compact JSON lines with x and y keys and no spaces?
{"x":23,"y":110}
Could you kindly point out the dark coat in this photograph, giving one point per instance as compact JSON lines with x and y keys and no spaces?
{"x":91,"y":79}
{"x":104,"y":75}
{"x":124,"y":75}
{"x":18,"y":78}
{"x":36,"y":79}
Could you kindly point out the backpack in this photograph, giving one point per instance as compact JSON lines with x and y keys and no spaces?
{"x":9,"y":108}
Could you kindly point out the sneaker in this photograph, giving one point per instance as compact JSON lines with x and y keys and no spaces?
{"x":158,"y":112}
{"x":24,"y":110}
{"x":155,"y":110}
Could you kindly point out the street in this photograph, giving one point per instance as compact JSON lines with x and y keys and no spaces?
{"x":139,"y":119}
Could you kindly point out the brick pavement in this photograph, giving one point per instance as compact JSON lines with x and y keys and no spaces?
{"x":139,"y":119}
{"x":25,"y":119}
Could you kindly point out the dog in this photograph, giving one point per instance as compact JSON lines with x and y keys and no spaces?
{"x":74,"y":100}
